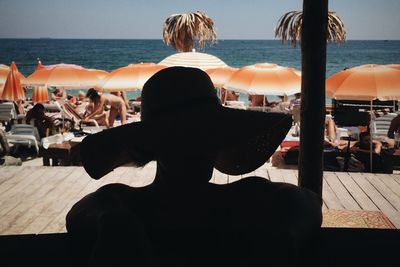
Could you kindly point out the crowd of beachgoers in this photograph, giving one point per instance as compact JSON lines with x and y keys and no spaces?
{"x":90,"y":109}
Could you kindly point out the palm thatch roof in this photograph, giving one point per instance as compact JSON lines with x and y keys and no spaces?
{"x":290,"y":24}
{"x":183,"y":31}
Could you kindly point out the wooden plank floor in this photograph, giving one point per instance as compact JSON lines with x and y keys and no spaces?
{"x":35,"y":199}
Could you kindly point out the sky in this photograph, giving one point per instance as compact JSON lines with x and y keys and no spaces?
{"x":143,"y":19}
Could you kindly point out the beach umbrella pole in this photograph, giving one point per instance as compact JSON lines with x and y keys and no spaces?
{"x":264,"y":103}
{"x":371,"y":137}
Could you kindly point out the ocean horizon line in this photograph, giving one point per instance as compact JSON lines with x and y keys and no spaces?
{"x":149,"y":39}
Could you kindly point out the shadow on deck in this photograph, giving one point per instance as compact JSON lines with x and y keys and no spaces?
{"x":334,"y":247}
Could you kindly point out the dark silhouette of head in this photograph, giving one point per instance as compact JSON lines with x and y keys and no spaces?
{"x":187,"y":131}
{"x":38,"y":110}
{"x":365,"y":140}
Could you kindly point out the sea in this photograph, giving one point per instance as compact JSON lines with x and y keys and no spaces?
{"x":108,"y":54}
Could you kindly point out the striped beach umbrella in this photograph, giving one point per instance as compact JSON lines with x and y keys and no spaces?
{"x":40,"y":94}
{"x":395,"y":66}
{"x":101,"y":74}
{"x":128,"y":78}
{"x":202,"y":61}
{"x":4,"y":70}
{"x":39,"y":65}
{"x":12,"y":88}
{"x":265,"y":79}
{"x":365,"y":82}
{"x":66,"y":76}
{"x":219,"y":76}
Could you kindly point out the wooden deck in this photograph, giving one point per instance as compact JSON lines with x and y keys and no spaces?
{"x":35,"y":199}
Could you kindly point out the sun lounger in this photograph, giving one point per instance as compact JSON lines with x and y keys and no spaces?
{"x":8,"y":113}
{"x":52,"y":107}
{"x":24,"y":134}
{"x":235,"y":104}
{"x":69,"y":111}
{"x":380,"y":125}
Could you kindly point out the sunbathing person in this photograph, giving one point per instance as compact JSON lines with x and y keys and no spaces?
{"x":81,"y":103}
{"x":122,"y":94}
{"x":362,"y":152}
{"x":101,"y":118}
{"x":258,"y":100}
{"x":283,"y":105}
{"x":228,"y":95}
{"x":296,"y":102}
{"x":181,"y":219}
{"x":100,"y":101}
{"x":330,"y":132}
{"x":59,"y":94}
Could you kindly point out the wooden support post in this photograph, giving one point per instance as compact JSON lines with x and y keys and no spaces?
{"x":312,"y":114}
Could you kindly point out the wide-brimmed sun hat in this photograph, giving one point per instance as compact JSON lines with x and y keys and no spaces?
{"x":180,"y":109}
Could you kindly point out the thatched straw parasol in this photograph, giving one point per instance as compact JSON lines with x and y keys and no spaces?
{"x":183,"y":30}
{"x":290,"y":24}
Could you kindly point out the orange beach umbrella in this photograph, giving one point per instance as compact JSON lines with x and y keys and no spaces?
{"x":63,"y":75}
{"x":365,"y":82}
{"x":396,"y":66}
{"x":101,"y":74}
{"x":265,"y":79}
{"x":40,"y":94}
{"x":219,"y":76}
{"x":202,"y":61}
{"x":39,"y":65}
{"x":12,"y":88}
{"x":128,"y":78}
{"x":4,"y":70}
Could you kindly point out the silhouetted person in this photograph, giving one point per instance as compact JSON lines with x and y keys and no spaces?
{"x":181,"y":219}
{"x":36,"y":116}
{"x":362,"y":152}
{"x":394,"y":127}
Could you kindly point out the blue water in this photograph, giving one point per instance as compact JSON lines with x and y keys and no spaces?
{"x":111,"y":54}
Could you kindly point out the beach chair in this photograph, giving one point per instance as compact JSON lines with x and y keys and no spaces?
{"x":4,"y":147}
{"x":8,"y":113}
{"x":380,"y":125}
{"x":235,"y":104}
{"x":52,"y":107}
{"x":25,"y":135}
{"x":259,"y":108}
{"x":70,"y":112}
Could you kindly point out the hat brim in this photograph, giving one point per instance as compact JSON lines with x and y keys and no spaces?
{"x":243,"y":140}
